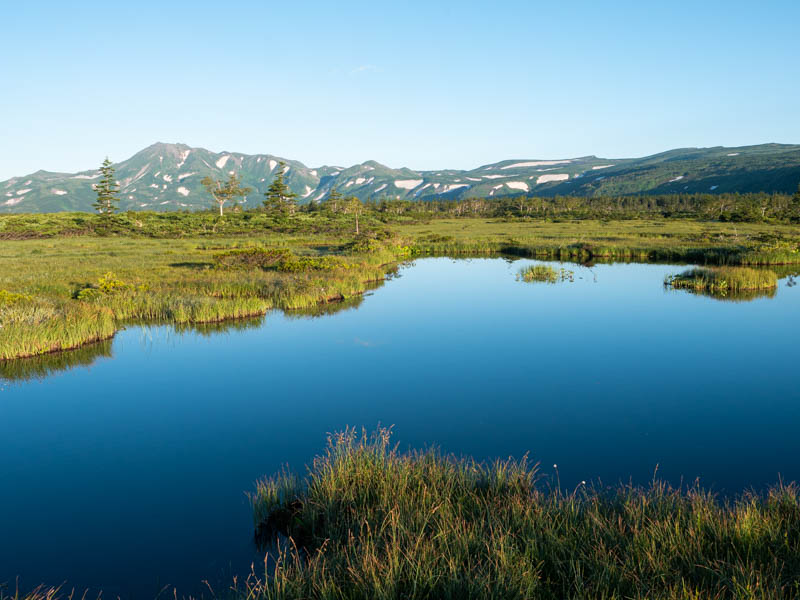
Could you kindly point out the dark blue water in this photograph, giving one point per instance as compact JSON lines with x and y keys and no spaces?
{"x":130,"y":474}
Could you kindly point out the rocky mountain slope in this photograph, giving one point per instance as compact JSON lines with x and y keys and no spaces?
{"x":167,"y":177}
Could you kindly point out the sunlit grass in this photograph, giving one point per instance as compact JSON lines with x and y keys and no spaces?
{"x":66,"y":292}
{"x":370,"y":522}
{"x":544,"y":274}
{"x":724,"y":281}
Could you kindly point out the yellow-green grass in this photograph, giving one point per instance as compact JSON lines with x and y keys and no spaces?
{"x":370,"y":523}
{"x":588,"y":240}
{"x":544,"y":274}
{"x":171,"y":281}
{"x":174,"y":279}
{"x":724,"y":280}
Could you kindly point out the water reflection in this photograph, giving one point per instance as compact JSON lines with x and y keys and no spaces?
{"x":45,"y":365}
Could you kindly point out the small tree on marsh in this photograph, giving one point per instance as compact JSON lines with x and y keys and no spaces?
{"x":106,"y":189}
{"x":225,"y":191}
{"x":354,"y":207}
{"x":278,"y":197}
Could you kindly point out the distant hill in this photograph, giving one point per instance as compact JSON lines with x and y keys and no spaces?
{"x":167,"y":177}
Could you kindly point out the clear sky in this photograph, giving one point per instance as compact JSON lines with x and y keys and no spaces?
{"x":426,"y":85}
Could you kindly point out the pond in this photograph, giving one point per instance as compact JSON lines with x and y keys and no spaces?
{"x":124,"y":466}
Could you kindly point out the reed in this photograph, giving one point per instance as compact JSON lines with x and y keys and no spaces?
{"x":371,"y":522}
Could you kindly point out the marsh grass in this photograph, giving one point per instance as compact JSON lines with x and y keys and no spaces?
{"x":65,"y":293}
{"x":544,"y":274}
{"x":42,"y":593}
{"x":368,"y":522}
{"x":70,"y":283}
{"x":724,"y":281}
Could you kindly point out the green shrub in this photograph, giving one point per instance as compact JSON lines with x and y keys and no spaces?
{"x":253,"y":258}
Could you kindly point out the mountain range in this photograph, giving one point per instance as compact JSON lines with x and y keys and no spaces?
{"x":167,"y":177}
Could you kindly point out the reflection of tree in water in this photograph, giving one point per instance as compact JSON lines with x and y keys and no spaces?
{"x":44,"y":365}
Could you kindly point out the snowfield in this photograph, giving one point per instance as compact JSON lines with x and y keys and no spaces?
{"x":407,"y":184}
{"x":552,"y":177}
{"x":537,"y":163}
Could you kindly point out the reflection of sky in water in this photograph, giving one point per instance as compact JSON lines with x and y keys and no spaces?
{"x":130,"y":473}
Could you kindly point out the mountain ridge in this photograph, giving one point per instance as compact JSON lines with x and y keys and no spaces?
{"x":166,"y":176}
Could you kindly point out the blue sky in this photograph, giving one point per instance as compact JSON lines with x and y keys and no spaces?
{"x":426,"y":85}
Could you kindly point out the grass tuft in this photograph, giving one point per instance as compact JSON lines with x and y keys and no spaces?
{"x":369,"y":522}
{"x":544,"y":274}
{"x":723,"y":280}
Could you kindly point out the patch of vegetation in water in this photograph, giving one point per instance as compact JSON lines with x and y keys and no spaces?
{"x":724,"y":281}
{"x":370,"y":522}
{"x":544,"y":274}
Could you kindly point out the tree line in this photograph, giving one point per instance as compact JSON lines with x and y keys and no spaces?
{"x":280,"y":201}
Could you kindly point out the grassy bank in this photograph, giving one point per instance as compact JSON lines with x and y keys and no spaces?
{"x":65,"y":292}
{"x":71,"y":279}
{"x":371,"y":523}
{"x":682,"y":241}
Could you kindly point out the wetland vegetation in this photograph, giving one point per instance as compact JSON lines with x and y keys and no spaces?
{"x":69,"y":279}
{"x":370,"y":522}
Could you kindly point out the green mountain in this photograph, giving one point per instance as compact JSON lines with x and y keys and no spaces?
{"x":167,"y":177}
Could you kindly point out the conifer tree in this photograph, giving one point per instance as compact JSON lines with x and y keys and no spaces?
{"x":223,"y":192}
{"x":279,"y":198}
{"x":334,"y":200}
{"x":106,"y":189}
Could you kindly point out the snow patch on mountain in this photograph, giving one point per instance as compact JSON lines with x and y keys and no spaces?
{"x":272,"y":164}
{"x":601,"y":167}
{"x":553,"y":177}
{"x":59,"y":192}
{"x":537,"y":163}
{"x":184,"y":156}
{"x":86,"y":176}
{"x":183,"y":191}
{"x":407,"y":184}
{"x":518,"y":185}
{"x":221,"y":161}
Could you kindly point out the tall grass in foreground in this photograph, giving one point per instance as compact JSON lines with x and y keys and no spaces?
{"x":723,"y":280}
{"x":40,"y":593}
{"x":371,"y":523}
